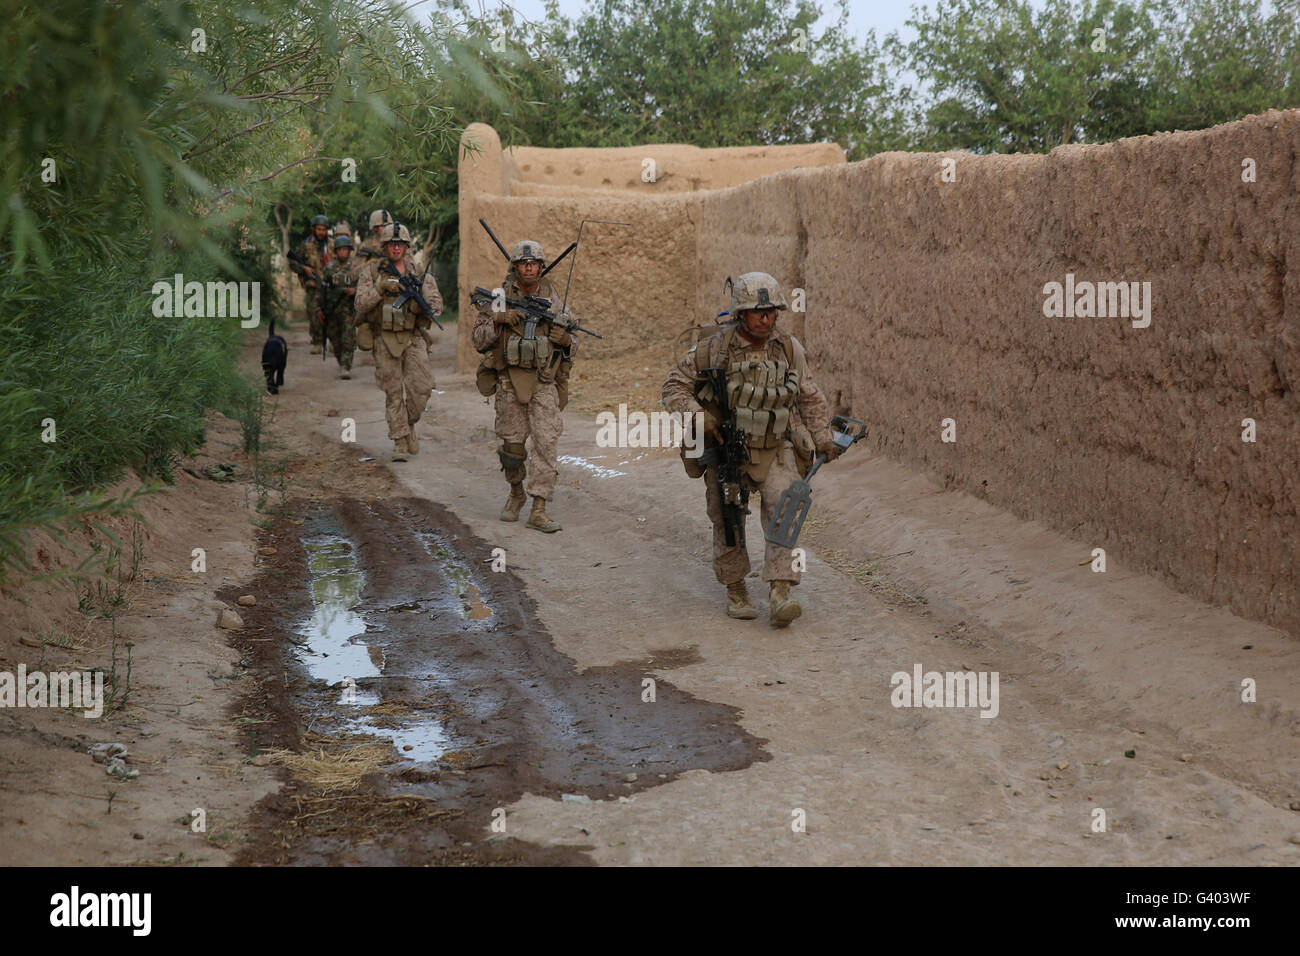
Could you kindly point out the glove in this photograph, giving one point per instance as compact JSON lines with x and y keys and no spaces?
{"x":559,"y":336}
{"x":711,"y":426}
{"x":389,"y":285}
{"x":829,"y":449}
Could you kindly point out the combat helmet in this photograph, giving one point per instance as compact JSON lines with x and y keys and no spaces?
{"x":527,"y":249}
{"x":343,"y":241}
{"x":396,"y":232}
{"x":320,"y":220}
{"x":756,"y":290}
{"x":379,"y":217}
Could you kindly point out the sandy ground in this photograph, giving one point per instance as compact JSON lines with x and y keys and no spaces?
{"x":1091,"y":666}
{"x":59,"y":807}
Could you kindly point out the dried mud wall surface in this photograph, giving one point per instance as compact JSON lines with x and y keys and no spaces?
{"x":633,"y":282}
{"x":925,"y":302}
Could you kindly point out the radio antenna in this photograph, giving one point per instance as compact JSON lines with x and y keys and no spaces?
{"x":574,"y":261}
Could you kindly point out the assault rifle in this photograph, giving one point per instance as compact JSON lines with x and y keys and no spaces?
{"x":411,"y":289}
{"x":535,"y":308}
{"x":729,"y":457}
{"x":320,"y":280}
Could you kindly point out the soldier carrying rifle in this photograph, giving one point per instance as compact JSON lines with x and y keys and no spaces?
{"x":394,"y":307}
{"x":757,"y":393}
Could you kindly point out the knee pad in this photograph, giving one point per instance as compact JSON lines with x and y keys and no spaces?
{"x":512,"y":455}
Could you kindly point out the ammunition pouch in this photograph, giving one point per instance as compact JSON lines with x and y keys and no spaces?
{"x":395,"y":320}
{"x":485,"y":380}
{"x":532,"y":353}
{"x":512,"y":455}
{"x":762,"y":394}
{"x":365,"y":337}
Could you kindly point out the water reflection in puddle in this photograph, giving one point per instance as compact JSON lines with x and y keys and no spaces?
{"x":333,"y":652}
{"x":336,"y":654}
{"x":471,"y":607}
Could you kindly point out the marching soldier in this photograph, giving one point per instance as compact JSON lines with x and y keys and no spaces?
{"x":338,"y":300}
{"x":530,"y":380}
{"x":312,"y":256}
{"x":372,"y":246}
{"x":400,"y":342}
{"x":771,"y":389}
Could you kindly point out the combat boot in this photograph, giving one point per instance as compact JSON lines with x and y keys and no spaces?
{"x":782,"y":608}
{"x":538,"y":518}
{"x":738,"y":605}
{"x":399,"y":449}
{"x":514,"y":503}
{"x":345,"y":373}
{"x":412,"y":443}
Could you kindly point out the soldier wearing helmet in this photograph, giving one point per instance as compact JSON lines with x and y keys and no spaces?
{"x":397,"y":334}
{"x":774,"y":396}
{"x":337,"y":304}
{"x":313,"y":255}
{"x":530,"y":380}
{"x":371,"y":249}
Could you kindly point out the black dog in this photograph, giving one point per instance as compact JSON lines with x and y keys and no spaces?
{"x":275,"y":355}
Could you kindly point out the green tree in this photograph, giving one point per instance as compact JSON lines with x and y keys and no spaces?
{"x":146,"y":137}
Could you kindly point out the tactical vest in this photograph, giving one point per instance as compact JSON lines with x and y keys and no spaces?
{"x":524,"y":363}
{"x":340,"y":275}
{"x":761,"y":391}
{"x":391,"y":319}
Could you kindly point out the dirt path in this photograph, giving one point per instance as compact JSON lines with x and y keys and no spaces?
{"x":1092,"y":667}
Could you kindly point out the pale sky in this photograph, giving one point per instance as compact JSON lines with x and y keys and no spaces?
{"x":882,"y":15}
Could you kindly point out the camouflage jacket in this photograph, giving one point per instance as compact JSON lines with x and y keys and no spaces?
{"x":810,"y":420}
{"x":491,"y":338}
{"x":316,"y":254}
{"x":341,"y":278}
{"x":370,"y":296}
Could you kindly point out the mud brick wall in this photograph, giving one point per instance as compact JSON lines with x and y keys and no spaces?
{"x":632,"y":283}
{"x":925,"y":302}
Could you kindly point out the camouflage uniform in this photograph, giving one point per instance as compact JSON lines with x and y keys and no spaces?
{"x":316,"y":253}
{"x":371,"y":250}
{"x":530,"y":392}
{"x":784,"y":405}
{"x":402,"y":366}
{"x":339,"y":309}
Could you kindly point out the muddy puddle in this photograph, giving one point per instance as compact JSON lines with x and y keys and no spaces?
{"x":403,"y":634}
{"x":338,"y":650}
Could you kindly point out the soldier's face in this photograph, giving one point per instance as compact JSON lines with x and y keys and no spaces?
{"x":395,"y":250}
{"x":528,"y":270}
{"x":758,"y":322}
{"x":343,"y":253}
{"x":319,"y":231}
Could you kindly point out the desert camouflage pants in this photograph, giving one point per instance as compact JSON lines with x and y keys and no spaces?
{"x":732,"y":564}
{"x":342,"y":336}
{"x":407,"y":383}
{"x":314,"y":323}
{"x":540,"y":419}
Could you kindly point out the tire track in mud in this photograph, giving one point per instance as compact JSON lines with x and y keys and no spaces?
{"x":460,"y":656}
